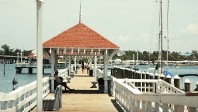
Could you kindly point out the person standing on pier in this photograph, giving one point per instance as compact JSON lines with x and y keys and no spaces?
{"x":59,"y":81}
{"x":83,"y":67}
{"x":87,"y":67}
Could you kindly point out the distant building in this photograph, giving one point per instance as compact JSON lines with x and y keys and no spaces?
{"x":185,"y":54}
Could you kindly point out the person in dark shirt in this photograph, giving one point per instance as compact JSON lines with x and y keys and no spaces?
{"x":88,"y":68}
{"x":83,"y":67}
{"x":59,"y":81}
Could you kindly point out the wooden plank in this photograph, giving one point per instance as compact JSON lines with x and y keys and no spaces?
{"x":86,"y":99}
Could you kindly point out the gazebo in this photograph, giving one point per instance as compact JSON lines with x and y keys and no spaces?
{"x":80,"y":41}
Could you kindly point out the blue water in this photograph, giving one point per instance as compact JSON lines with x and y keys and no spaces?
{"x":176,"y":71}
{"x":24,"y":78}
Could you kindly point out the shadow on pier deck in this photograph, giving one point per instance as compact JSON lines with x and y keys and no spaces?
{"x":85,"y":98}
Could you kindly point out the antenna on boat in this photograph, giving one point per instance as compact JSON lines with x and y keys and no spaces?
{"x":80,"y":13}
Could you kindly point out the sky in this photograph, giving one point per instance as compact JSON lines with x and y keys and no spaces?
{"x":130,"y":24}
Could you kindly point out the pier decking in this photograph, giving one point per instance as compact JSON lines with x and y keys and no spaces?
{"x":85,"y":98}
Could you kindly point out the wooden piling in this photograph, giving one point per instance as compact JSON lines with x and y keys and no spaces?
{"x":168,"y":79}
{"x":156,"y":76}
{"x":124,"y":73}
{"x":127,"y":73}
{"x":119,"y":73}
{"x":18,"y":70}
{"x":4,"y":68}
{"x":162,"y":77}
{"x":30,"y":70}
{"x":151,"y":75}
{"x":187,"y":85}
{"x":115,"y":72}
{"x":143,"y":84}
{"x":133,"y":74}
{"x":111,"y":72}
{"x":147,"y":84}
{"x":138,"y":76}
{"x":177,"y":81}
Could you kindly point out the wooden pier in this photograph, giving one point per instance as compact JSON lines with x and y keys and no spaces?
{"x":19,"y":69}
{"x":20,"y":66}
{"x":85,"y":98}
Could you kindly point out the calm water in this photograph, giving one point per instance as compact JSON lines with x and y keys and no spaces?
{"x":177,"y":71}
{"x":24,"y":78}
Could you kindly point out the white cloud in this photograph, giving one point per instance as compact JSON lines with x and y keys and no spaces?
{"x":123,"y":38}
{"x":143,"y":38}
{"x":191,"y":29}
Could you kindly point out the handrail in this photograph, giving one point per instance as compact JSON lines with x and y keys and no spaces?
{"x":168,"y":87}
{"x":22,"y":99}
{"x":132,"y":99}
{"x":164,"y":86}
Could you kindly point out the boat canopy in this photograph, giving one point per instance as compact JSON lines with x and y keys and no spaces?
{"x":168,"y":73}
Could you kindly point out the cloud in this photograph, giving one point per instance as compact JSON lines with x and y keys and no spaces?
{"x":132,"y":42}
{"x":143,"y":38}
{"x":123,"y":38}
{"x":191,"y":29}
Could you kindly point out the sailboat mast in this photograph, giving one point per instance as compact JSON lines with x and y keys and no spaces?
{"x":161,"y":36}
{"x":167,"y":37}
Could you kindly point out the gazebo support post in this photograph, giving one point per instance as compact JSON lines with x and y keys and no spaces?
{"x":75,"y":64}
{"x":105,"y":71}
{"x":56,"y":62}
{"x":65,"y":61}
{"x":95,"y":63}
{"x":52,"y":68}
{"x":69,"y":65}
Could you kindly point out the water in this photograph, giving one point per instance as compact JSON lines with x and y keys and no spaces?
{"x":23,"y":79}
{"x":178,"y":71}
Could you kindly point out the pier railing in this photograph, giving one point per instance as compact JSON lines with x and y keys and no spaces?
{"x":22,"y":99}
{"x":159,"y":96}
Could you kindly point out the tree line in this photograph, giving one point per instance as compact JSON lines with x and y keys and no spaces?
{"x":6,"y":50}
{"x":146,"y":56}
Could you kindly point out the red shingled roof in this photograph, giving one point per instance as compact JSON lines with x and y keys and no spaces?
{"x":79,"y":36}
